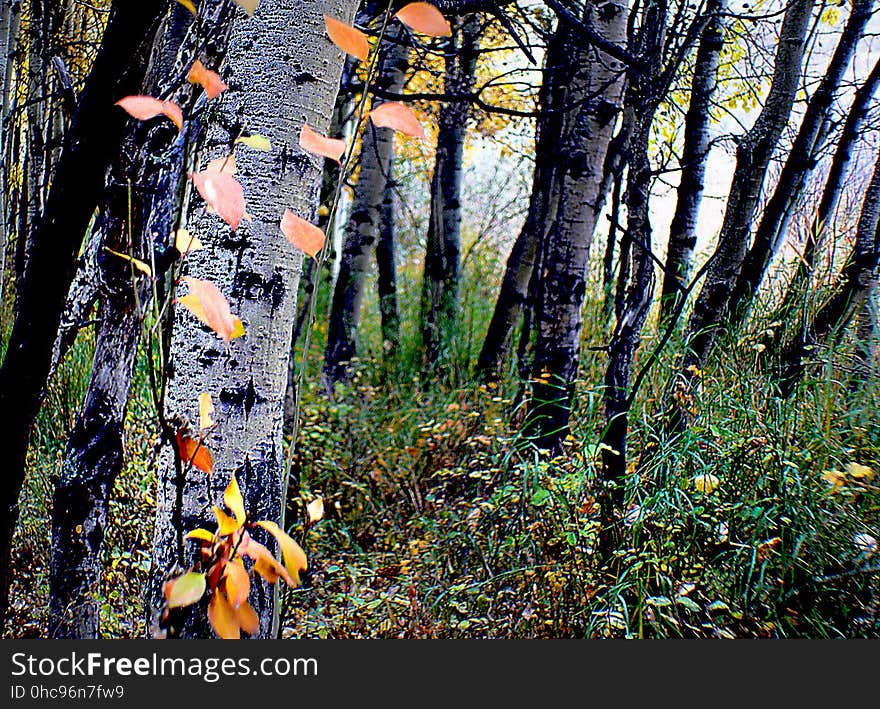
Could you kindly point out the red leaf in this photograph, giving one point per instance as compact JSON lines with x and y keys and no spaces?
{"x":209,"y":305}
{"x":347,"y":38}
{"x":146,"y":107}
{"x":209,"y":80}
{"x":223,"y":194}
{"x":194,"y":451}
{"x":318,"y":144}
{"x":396,"y":116}
{"x":303,"y":235}
{"x":424,"y":18}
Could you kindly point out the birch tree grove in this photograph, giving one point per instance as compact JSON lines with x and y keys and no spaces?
{"x":452,"y":319}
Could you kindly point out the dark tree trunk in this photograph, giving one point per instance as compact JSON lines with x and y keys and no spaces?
{"x":555,"y":96}
{"x":386,"y":268}
{"x":582,"y":157}
{"x":365,"y":221}
{"x":695,"y":154}
{"x":443,"y":251}
{"x":89,"y":145}
{"x":855,"y":284}
{"x":152,"y":159}
{"x":798,"y":166}
{"x":754,"y":152}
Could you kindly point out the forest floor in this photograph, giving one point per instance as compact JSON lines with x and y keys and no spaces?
{"x":761,"y":521}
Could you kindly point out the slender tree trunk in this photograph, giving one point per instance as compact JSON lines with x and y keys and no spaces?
{"x":855,"y":284}
{"x":280,"y":57}
{"x":694,"y":157}
{"x":563,"y":287}
{"x":89,"y":145}
{"x":559,"y":98}
{"x":798,"y":166}
{"x":386,"y":268}
{"x":443,"y":251}
{"x":151,"y":161}
{"x":754,"y":151}
{"x":365,"y":222}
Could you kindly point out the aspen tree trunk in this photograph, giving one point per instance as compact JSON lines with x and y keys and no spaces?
{"x":798,"y":166}
{"x":694,"y":156}
{"x":855,"y":284}
{"x":151,"y":160}
{"x":753,"y":155}
{"x":89,"y":145}
{"x":282,"y":70}
{"x":831,"y":192}
{"x":365,"y":221}
{"x":558,"y":91}
{"x":581,"y":170}
{"x":386,"y":268}
{"x":440,"y":280}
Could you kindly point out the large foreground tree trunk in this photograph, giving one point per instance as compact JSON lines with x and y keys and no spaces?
{"x":138,"y":202}
{"x":365,"y":221}
{"x":90,"y":143}
{"x":282,"y":70}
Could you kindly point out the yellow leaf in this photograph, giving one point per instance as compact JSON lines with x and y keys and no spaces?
{"x":185,"y":242}
{"x":315,"y":510}
{"x":202,"y":535}
{"x":249,"y":6}
{"x":137,"y":263}
{"x":859,"y":472}
{"x":237,"y":328}
{"x":707,"y":483}
{"x":233,"y":499}
{"x":186,"y":590}
{"x":294,"y":557}
{"x":228,"y":525}
{"x":189,"y":6}
{"x":248,"y":619}
{"x":835,"y":478}
{"x":206,"y":408}
{"x":257,"y":142}
{"x":223,"y":617}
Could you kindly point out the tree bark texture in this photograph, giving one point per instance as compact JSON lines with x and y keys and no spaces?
{"x":282,"y":70}
{"x":89,"y":145}
{"x":134,"y":218}
{"x":567,"y":245}
{"x":440,"y":280}
{"x":753,"y":155}
{"x":694,"y":157}
{"x":799,"y":164}
{"x":386,"y":269}
{"x":365,"y":221}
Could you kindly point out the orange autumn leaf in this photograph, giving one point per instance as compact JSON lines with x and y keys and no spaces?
{"x":294,"y":557}
{"x":224,"y":164}
{"x":209,"y":80}
{"x":424,"y":18}
{"x":193,"y":451}
{"x":248,"y":619}
{"x":223,"y":617}
{"x":210,"y":306}
{"x":397,"y":116}
{"x":266,"y":565}
{"x":222,"y":193}
{"x":202,"y":535}
{"x":238,"y":583}
{"x":313,"y":142}
{"x":143,"y":108}
{"x":304,"y":235}
{"x":349,"y":39}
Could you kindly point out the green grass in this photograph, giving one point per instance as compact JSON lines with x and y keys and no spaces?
{"x":439,"y":524}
